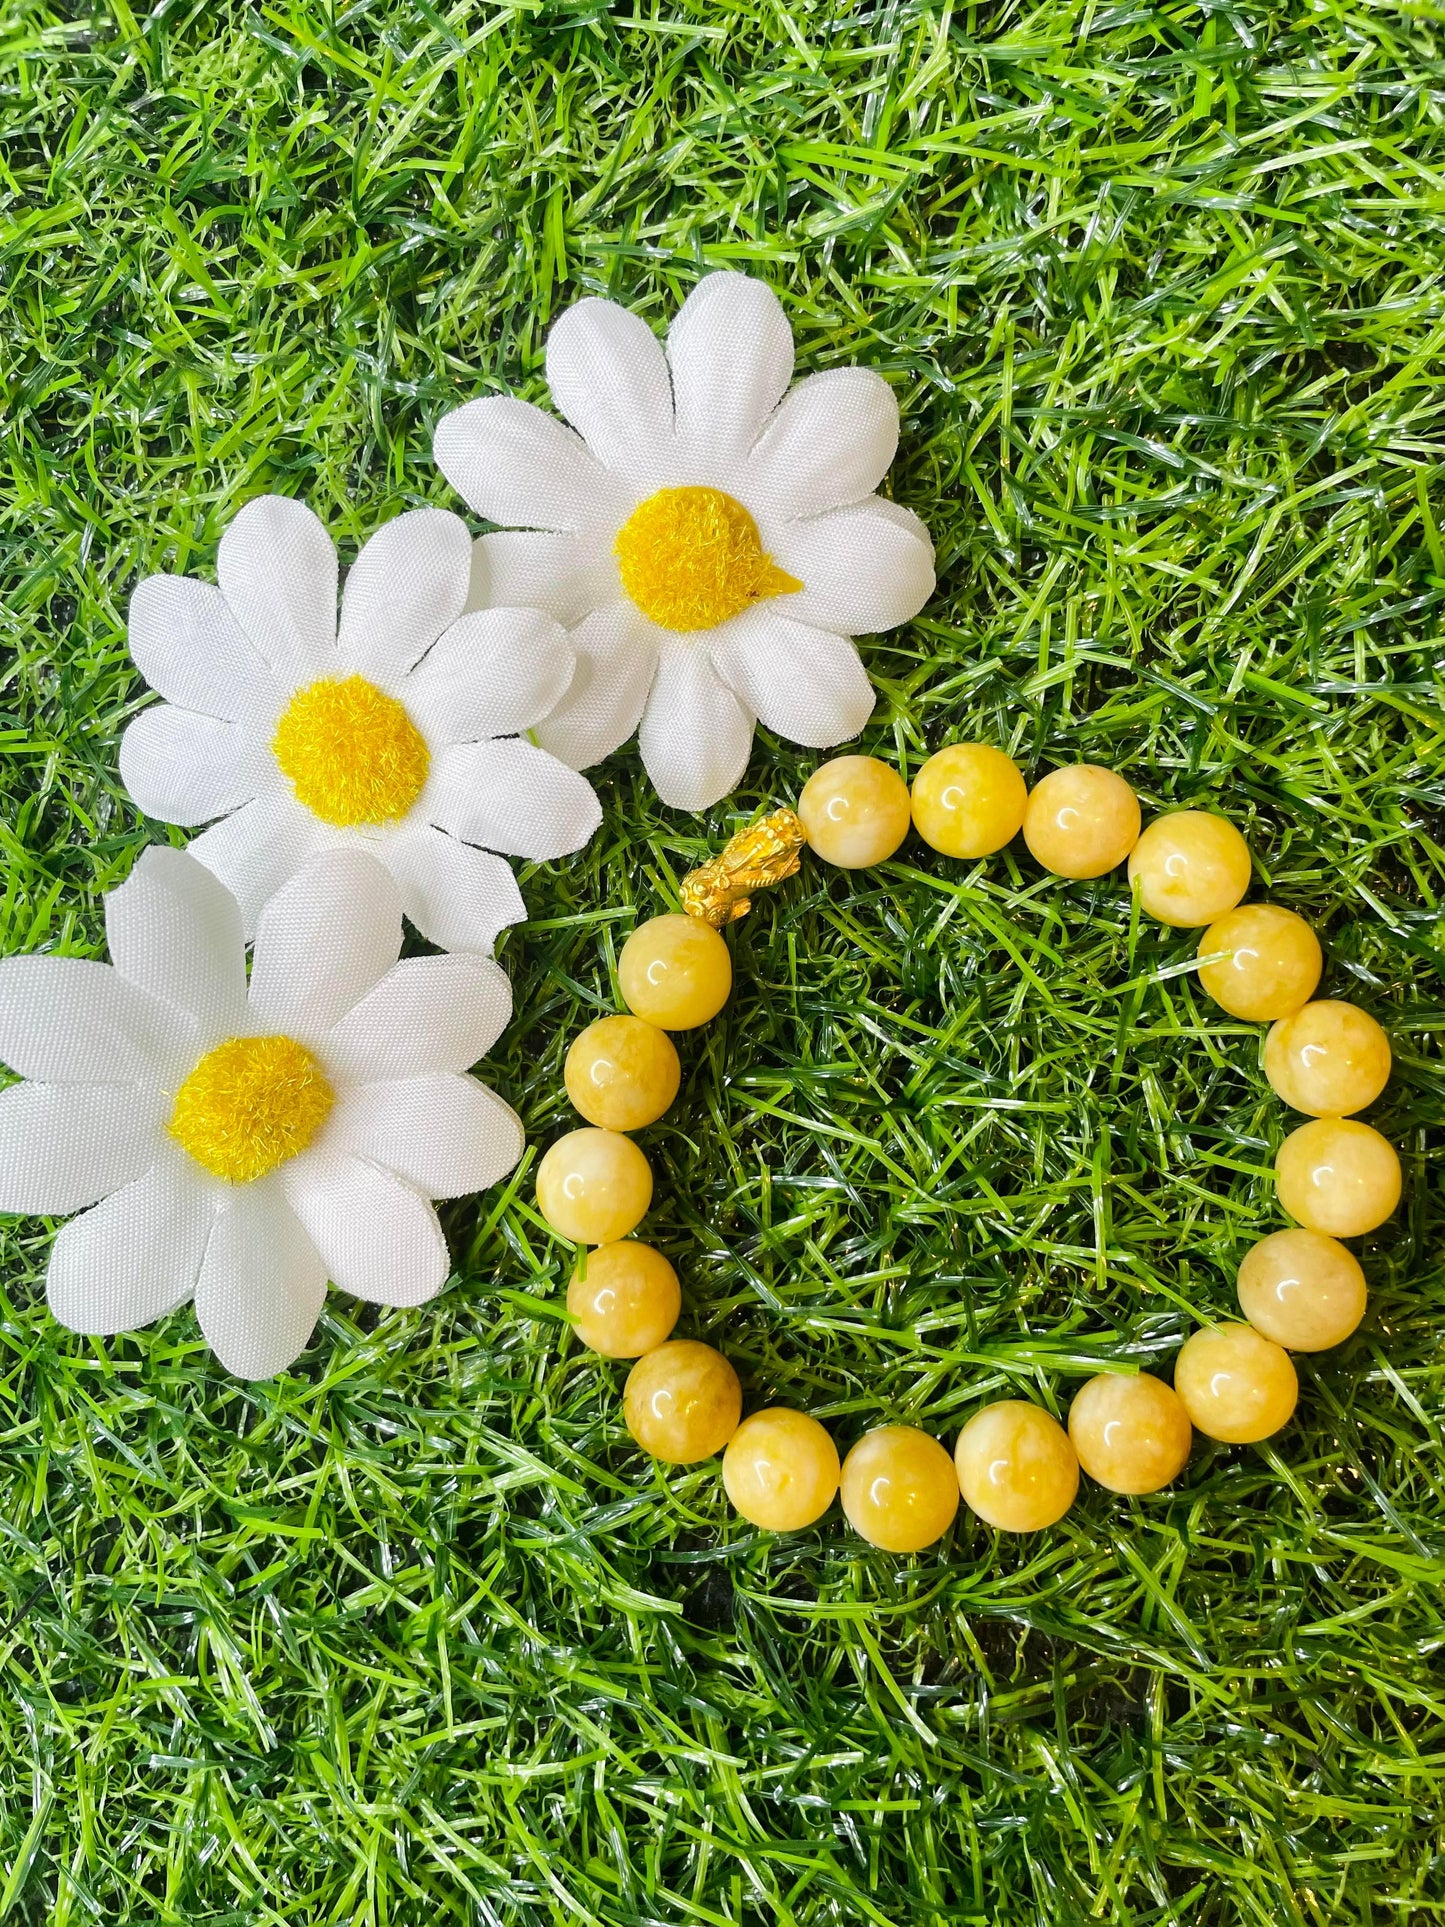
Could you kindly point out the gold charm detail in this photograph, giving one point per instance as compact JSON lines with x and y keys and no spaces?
{"x":720,"y":891}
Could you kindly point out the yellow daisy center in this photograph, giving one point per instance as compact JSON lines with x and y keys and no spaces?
{"x":250,"y":1104}
{"x":351,"y":751}
{"x":692,"y":557}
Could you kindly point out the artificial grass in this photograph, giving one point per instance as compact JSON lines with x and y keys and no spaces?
{"x":412,"y":1634}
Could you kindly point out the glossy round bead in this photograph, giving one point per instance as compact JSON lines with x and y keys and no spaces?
{"x":1132,"y":1434}
{"x":1329,"y":1059}
{"x":675,"y":971}
{"x":1191,"y":866}
{"x":1236,"y":1385}
{"x":682,"y":1402}
{"x":1081,"y":821}
{"x":780,"y":1470}
{"x":854,"y":811}
{"x":1338,"y":1176}
{"x":968,"y":800}
{"x":1272,"y":966}
{"x":627,"y":1302}
{"x":899,"y":1489}
{"x":594,"y":1186}
{"x":1016,"y":1467}
{"x":1302,"y":1289}
{"x":622,"y":1073}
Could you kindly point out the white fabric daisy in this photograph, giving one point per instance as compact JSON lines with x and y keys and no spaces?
{"x":710,"y":537}
{"x":395,"y":732}
{"x":248,"y":1141}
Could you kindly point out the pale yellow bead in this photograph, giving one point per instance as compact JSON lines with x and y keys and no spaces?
{"x":854,"y":811}
{"x":968,"y":800}
{"x":1302,"y":1289}
{"x":1132,"y":1434}
{"x":1237,"y":1385}
{"x":675,"y":971}
{"x":1338,"y":1176}
{"x":594,"y":1187}
{"x":682,"y":1402}
{"x":1272,"y":966}
{"x":1081,"y":821}
{"x":622,"y":1073}
{"x":1191,"y":866}
{"x":1016,"y":1467}
{"x":899,"y":1489}
{"x":1328,"y":1060}
{"x":628,"y":1300}
{"x":780,"y":1469}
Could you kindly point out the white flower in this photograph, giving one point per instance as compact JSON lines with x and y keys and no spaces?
{"x":395,"y":732}
{"x":712,"y":540}
{"x":248,"y":1141}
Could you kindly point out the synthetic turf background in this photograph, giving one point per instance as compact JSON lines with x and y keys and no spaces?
{"x":411,"y":1635}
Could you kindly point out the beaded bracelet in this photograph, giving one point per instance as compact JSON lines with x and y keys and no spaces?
{"x":1016,"y":1467}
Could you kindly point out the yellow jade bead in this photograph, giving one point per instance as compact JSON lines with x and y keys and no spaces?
{"x":594,"y":1187}
{"x":1132,"y":1434}
{"x":1272,"y":966}
{"x":682,"y":1402}
{"x":780,"y":1470}
{"x":855,"y":811}
{"x":1337,"y":1176}
{"x":622,"y":1073}
{"x":1081,"y":821}
{"x":968,"y":800}
{"x":675,"y":971}
{"x":627,"y":1302}
{"x":899,"y":1489}
{"x":1016,"y":1467}
{"x":1237,"y":1385}
{"x":1328,"y":1059}
{"x":1191,"y":866}
{"x":1302,"y":1289}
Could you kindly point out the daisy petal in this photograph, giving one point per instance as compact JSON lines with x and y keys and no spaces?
{"x":257,"y":850}
{"x":408,"y":584}
{"x":322,"y":942}
{"x":491,"y":674}
{"x":806,"y":684}
{"x":448,"y":1136}
{"x":880,"y":509}
{"x":427,"y":1014}
{"x":188,"y":646}
{"x":457,"y":897}
{"x":175,"y":929}
{"x":731,"y":353}
{"x":616,"y":660}
{"x":863,"y":568}
{"x":830,"y":443}
{"x":564,"y":575}
{"x":377,"y":1234}
{"x":695,"y":736}
{"x":519,"y":467}
{"x":608,"y":375}
{"x":262,"y":1283}
{"x":277,"y":570}
{"x":512,"y":797}
{"x":65,"y":1020}
{"x":62,"y":1146}
{"x":183,"y":768}
{"x":135,"y":1257}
